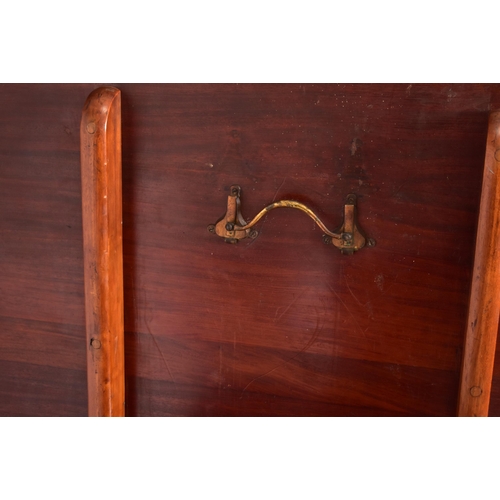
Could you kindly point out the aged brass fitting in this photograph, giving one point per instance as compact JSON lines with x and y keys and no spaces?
{"x":232,"y":227}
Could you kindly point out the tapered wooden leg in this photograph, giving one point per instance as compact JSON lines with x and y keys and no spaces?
{"x":100,"y":136}
{"x":484,"y":305}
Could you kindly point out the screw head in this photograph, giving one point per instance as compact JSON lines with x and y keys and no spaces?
{"x":211,"y":228}
{"x":229,"y":226}
{"x":326,"y":239}
{"x":253,"y":234}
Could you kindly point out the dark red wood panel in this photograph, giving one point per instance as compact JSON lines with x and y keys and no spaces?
{"x":42,"y":336}
{"x":216,"y":329}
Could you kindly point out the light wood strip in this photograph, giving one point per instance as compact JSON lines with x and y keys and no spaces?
{"x":100,"y":136}
{"x":484,"y":305}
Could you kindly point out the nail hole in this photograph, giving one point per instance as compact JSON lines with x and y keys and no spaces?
{"x":95,"y":343}
{"x":476,"y":391}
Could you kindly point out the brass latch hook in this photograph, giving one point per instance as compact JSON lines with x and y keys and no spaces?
{"x":232,"y":227}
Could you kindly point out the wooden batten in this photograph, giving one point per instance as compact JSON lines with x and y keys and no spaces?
{"x":101,"y":164}
{"x":484,"y":304}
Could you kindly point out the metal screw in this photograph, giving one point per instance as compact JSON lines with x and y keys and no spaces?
{"x":371,"y":242}
{"x":211,"y":228}
{"x":347,"y":236}
{"x":229,"y":226}
{"x":234,"y":191}
{"x":91,"y":128}
{"x":253,"y":234}
{"x":326,"y":239}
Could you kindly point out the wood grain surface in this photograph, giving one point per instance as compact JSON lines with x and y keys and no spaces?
{"x":279,"y":325}
{"x":484,"y":306}
{"x":282,"y":324}
{"x":42,"y":322}
{"x":101,"y":164}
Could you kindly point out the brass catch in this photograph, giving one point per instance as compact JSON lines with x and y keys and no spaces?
{"x":232,"y":227}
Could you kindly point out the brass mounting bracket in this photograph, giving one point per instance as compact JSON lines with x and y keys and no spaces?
{"x":232,"y":226}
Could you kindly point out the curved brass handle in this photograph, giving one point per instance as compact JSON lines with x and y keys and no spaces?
{"x":232,"y":227}
{"x":289,"y":204}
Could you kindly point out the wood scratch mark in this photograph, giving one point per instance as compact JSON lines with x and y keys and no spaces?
{"x":162,"y":356}
{"x":277,"y":191}
{"x":146,"y":321}
{"x":316,"y":332}
{"x":400,"y":187}
{"x":289,"y":305}
{"x":363,"y":332}
{"x":351,"y":292}
{"x":394,"y":281}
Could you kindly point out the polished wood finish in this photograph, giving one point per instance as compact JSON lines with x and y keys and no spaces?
{"x":100,"y":136}
{"x":42,"y":318}
{"x":279,"y":325}
{"x":484,"y":306}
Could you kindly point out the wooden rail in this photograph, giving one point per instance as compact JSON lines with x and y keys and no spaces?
{"x":100,"y":139}
{"x":484,"y":304}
